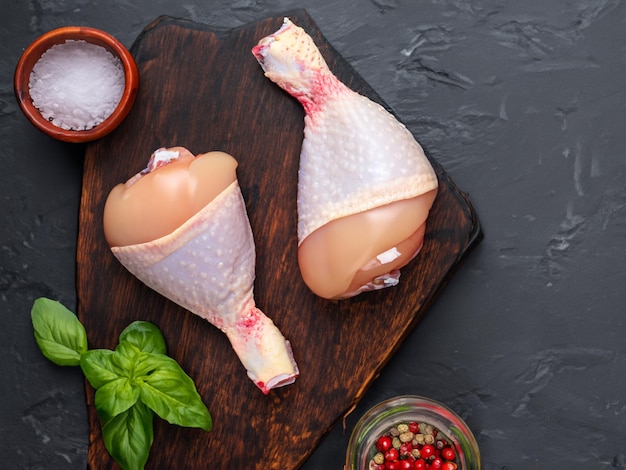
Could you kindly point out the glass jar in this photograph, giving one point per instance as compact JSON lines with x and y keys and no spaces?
{"x":404,"y":409}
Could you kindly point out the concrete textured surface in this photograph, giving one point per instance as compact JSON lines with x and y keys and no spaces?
{"x":521,"y":102}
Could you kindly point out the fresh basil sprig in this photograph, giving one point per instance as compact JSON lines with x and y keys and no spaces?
{"x":132,"y":382}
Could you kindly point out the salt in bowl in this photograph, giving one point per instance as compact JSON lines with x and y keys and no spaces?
{"x":59,"y":36}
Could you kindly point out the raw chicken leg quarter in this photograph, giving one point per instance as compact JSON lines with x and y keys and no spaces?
{"x":365,"y":187}
{"x":181,"y":227}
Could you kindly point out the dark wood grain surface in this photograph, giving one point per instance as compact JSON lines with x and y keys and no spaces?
{"x":203,"y":89}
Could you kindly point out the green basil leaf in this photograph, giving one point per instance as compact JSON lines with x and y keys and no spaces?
{"x":144,"y":366}
{"x":58,"y":332}
{"x":172,"y":395}
{"x":98,"y":367}
{"x":128,"y":436}
{"x":116,"y":396}
{"x":145,"y":336}
{"x":125,"y":356}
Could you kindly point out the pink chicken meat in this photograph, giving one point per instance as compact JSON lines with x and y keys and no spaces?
{"x":204,"y":259}
{"x":365,"y":186}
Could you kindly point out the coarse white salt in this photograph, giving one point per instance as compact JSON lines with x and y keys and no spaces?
{"x":77,"y":85}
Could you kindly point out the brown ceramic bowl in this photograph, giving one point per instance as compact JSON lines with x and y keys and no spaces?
{"x":58,"y":36}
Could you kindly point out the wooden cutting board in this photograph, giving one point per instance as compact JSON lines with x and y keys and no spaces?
{"x":202,"y":89}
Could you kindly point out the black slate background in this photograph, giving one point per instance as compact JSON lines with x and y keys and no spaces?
{"x":521,"y":102}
